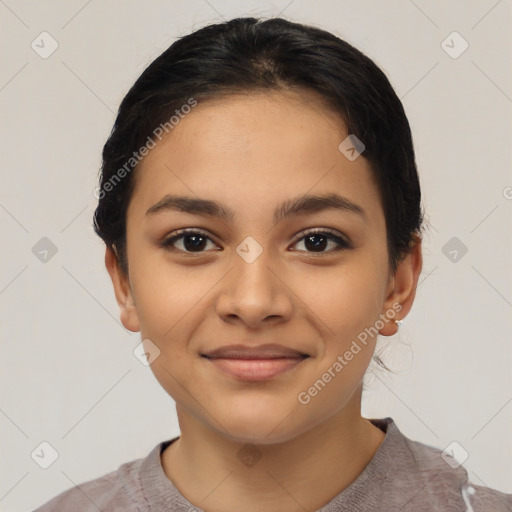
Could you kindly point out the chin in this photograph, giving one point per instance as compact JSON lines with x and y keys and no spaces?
{"x":262,"y":423}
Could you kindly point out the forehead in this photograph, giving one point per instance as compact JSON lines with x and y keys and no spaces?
{"x":251,"y":151}
{"x":240,"y":123}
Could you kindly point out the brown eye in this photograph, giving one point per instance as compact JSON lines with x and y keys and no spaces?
{"x":316,"y":241}
{"x":190,"y":241}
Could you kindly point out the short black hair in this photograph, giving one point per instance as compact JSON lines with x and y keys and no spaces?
{"x":249,"y":54}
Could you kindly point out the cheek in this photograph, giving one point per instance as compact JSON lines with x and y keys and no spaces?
{"x":348,"y":302}
{"x":346,"y":298}
{"x":167,"y":295}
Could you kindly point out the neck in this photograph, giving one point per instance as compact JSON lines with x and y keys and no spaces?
{"x":303,"y":473}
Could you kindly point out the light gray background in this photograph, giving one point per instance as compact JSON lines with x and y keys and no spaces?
{"x":68,"y":373}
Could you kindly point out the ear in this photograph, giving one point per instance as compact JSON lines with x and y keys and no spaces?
{"x":123,"y":292}
{"x":402,"y":288}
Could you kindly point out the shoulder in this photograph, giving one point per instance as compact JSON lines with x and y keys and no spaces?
{"x":444,"y":481}
{"x":118,"y":490}
{"x":485,"y":498}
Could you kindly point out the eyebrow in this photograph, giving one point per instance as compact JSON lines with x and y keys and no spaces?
{"x":291,"y":207}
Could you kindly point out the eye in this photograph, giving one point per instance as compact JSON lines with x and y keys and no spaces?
{"x":316,"y":240}
{"x":190,"y":241}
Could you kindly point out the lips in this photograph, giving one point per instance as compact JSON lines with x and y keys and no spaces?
{"x":269,"y":351}
{"x":259,"y":363}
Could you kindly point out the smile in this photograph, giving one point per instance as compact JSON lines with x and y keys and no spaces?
{"x":255,"y":369}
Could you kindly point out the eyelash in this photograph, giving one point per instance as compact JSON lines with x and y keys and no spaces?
{"x":167,"y":243}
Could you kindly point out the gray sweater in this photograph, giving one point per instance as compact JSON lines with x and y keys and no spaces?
{"x":403,"y":475}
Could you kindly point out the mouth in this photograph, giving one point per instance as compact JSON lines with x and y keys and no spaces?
{"x":255,"y":363}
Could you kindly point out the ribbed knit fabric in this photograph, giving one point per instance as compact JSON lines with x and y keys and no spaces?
{"x":402,"y":476}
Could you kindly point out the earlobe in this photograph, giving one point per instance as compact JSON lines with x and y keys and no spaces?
{"x":402,"y":288}
{"x":122,"y":289}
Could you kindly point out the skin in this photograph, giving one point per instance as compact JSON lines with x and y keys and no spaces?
{"x":251,"y":152}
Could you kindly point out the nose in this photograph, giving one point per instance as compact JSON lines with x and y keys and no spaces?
{"x":254,"y":294}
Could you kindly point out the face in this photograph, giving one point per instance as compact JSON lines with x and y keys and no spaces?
{"x":307,"y":277}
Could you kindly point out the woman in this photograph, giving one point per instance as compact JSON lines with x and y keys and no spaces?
{"x":261,"y":210}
